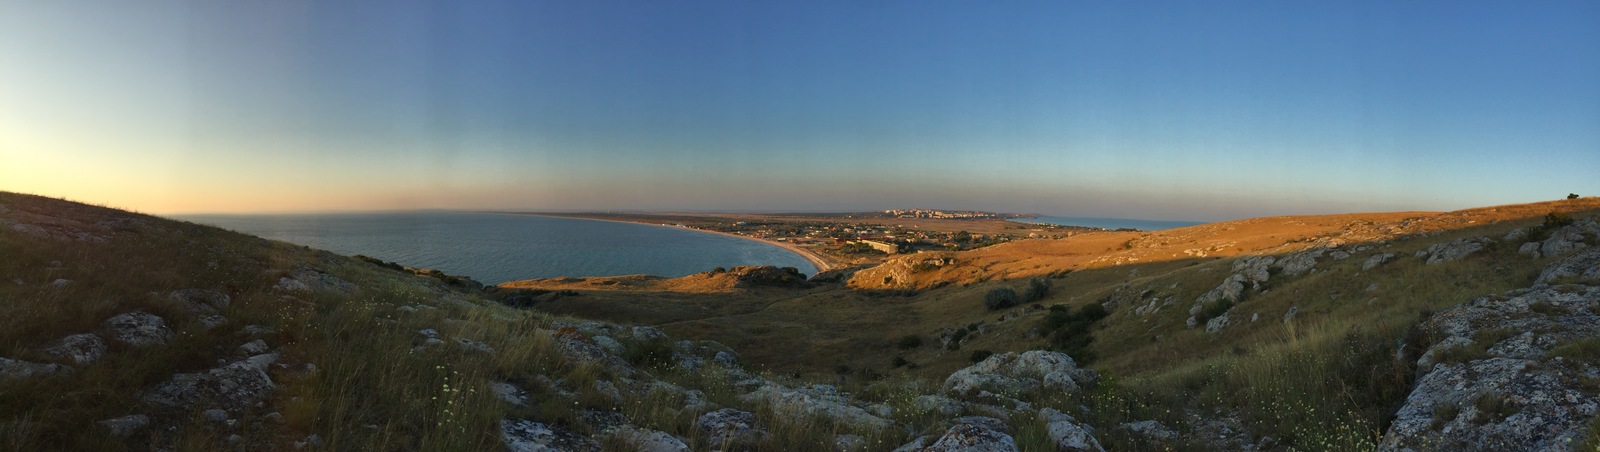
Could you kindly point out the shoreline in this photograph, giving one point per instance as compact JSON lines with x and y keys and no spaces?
{"x":813,"y":258}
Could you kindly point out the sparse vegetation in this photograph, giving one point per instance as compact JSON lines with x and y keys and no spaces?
{"x":909,"y":341}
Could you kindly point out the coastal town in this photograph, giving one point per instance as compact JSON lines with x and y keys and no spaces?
{"x":832,"y":240}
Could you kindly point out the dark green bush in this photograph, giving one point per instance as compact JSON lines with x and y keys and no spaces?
{"x":1000,"y":298}
{"x":980,"y":355}
{"x":908,"y":342}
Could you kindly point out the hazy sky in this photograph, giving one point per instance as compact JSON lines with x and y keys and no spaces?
{"x":1181,"y":110}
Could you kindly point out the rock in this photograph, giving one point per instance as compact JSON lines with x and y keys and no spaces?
{"x":1534,"y":401}
{"x":1339,"y":255}
{"x":1217,"y":323}
{"x":291,"y":285}
{"x":509,"y":393}
{"x":1151,"y":429}
{"x":254,"y":347}
{"x":200,"y":297}
{"x":1011,"y":373}
{"x":1456,"y":249}
{"x":1069,"y":436}
{"x":611,"y":345}
{"x":1299,"y":263}
{"x":1376,"y":260}
{"x":1515,"y":235}
{"x":973,"y":435}
{"x":1255,"y":268}
{"x":1531,"y":249}
{"x":1569,"y":237}
{"x":1232,"y":289}
{"x":59,"y":283}
{"x":139,"y":329}
{"x":16,"y":369}
{"x":726,"y":358}
{"x":1584,"y":266}
{"x":80,"y":349}
{"x":728,"y":427}
{"x":916,"y":445}
{"x":311,"y":441}
{"x":427,"y":337}
{"x":818,"y":400}
{"x":522,"y":435}
{"x":474,"y":346}
{"x":212,"y":322}
{"x":940,"y":405}
{"x":257,"y":331}
{"x":647,"y":334}
{"x":646,"y":440}
{"x":126,"y":425}
{"x":215,"y":415}
{"x":849,"y":443}
{"x":238,"y":385}
{"x":1289,"y":316}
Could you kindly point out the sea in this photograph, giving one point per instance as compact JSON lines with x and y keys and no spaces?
{"x":494,"y":248}
{"x":1110,"y":223}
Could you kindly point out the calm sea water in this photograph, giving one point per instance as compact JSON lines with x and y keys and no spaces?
{"x":495,"y":248}
{"x":1110,"y":223}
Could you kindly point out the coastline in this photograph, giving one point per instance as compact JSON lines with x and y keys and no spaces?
{"x":815,"y":260}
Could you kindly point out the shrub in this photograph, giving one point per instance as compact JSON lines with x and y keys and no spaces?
{"x":908,"y":342}
{"x":980,"y":355}
{"x":1000,"y":298}
{"x":1214,"y":309}
{"x":1037,"y":289}
{"x":955,"y":339}
{"x":1572,"y":196}
{"x":899,"y":361}
{"x":1554,"y":220}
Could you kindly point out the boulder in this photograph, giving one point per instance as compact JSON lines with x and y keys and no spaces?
{"x":18,"y":369}
{"x":1299,"y":263}
{"x":1455,"y":250}
{"x":973,"y":434}
{"x":646,"y":440}
{"x":235,"y":386}
{"x":126,"y":425}
{"x":1217,"y":323}
{"x":727,"y":427}
{"x":139,"y":329}
{"x":1070,"y":436}
{"x":1582,"y":266}
{"x":1516,"y":396}
{"x":522,"y":435}
{"x":1150,"y":429}
{"x":1376,"y":260}
{"x":1231,"y":289}
{"x":940,"y":405}
{"x":80,"y":349}
{"x":818,"y":400}
{"x":1010,"y":373}
{"x":849,"y":443}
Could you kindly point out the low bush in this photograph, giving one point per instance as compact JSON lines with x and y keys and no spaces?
{"x":908,"y":342}
{"x":980,"y":355}
{"x":1000,"y":298}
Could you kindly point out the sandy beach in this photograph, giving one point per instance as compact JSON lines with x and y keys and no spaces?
{"x":815,"y":260}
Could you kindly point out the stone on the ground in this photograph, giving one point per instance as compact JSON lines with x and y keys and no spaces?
{"x":973,"y":435}
{"x":817,"y":400}
{"x":1376,"y":260}
{"x":1011,"y":372}
{"x":126,"y":425}
{"x":728,"y":427}
{"x":82,"y":348}
{"x":139,"y":329}
{"x":16,"y":369}
{"x":522,"y":435}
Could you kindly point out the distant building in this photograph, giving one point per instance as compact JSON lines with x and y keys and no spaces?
{"x":887,"y":248}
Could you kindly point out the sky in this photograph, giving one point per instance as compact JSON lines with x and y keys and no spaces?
{"x":1159,"y":110}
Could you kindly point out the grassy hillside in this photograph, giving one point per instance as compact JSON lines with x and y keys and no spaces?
{"x":263,"y":345}
{"x":1331,"y":374}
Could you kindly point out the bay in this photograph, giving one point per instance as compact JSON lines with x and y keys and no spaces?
{"x":494,"y":248}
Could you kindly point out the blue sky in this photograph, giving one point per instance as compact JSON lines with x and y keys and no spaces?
{"x":1162,"y":110}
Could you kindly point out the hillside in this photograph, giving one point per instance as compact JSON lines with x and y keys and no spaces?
{"x":1475,"y":329}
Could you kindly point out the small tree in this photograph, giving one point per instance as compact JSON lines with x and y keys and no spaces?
{"x":1572,"y":196}
{"x":1000,"y":298}
{"x":1037,"y":289}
